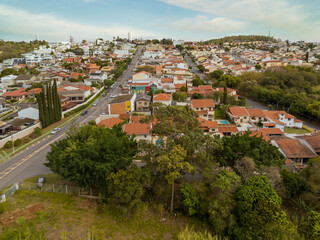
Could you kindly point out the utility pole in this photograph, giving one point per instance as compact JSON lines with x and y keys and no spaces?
{"x":12,"y":145}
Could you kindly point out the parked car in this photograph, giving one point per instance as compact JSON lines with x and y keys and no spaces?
{"x":113,"y":96}
{"x":41,"y":181}
{"x":54,"y":131}
{"x":84,"y":112}
{"x":96,"y":103}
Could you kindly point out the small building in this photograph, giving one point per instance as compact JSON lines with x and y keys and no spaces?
{"x":141,"y":131}
{"x":16,"y":94}
{"x":238,"y":114}
{"x":122,"y":104}
{"x":30,"y":112}
{"x":164,"y":98}
{"x":110,"y":122}
{"x":143,"y":103}
{"x":204,"y":107}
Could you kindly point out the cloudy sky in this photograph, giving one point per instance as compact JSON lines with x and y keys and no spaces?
{"x":179,"y":19}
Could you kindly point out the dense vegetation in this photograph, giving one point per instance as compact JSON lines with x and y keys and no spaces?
{"x":294,"y":89}
{"x":241,"y":38}
{"x":10,"y":49}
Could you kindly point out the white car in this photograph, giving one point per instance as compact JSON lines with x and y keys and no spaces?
{"x":113,"y":96}
{"x":54,"y":131}
{"x":95,"y":103}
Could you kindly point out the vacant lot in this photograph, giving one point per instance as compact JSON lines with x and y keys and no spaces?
{"x":41,"y":215}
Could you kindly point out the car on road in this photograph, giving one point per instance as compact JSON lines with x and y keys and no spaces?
{"x":84,"y":112}
{"x":95,"y":103}
{"x":113,"y":96}
{"x":54,"y":131}
{"x":41,"y":181}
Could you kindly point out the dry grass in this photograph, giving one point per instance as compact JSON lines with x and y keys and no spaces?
{"x":60,"y":216}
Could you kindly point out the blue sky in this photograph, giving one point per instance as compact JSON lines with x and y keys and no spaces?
{"x":178,"y":19}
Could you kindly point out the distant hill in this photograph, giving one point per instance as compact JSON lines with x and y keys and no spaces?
{"x":241,"y":38}
{"x":11,"y":49}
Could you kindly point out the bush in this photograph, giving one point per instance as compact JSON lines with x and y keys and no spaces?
{"x":8,"y":144}
{"x":37,"y":131}
{"x":17,"y":142}
{"x":189,"y":199}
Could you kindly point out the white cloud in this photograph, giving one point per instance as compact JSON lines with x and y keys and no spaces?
{"x":16,"y":21}
{"x":204,"y":24}
{"x":278,"y":15}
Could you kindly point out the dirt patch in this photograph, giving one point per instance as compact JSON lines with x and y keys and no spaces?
{"x":10,"y":217}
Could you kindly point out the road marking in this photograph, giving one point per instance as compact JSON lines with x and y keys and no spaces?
{"x":17,"y":164}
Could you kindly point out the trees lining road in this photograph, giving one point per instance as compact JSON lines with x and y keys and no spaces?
{"x":29,"y":162}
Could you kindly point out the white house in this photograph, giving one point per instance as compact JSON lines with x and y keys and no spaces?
{"x":29,"y":112}
{"x":8,"y":80}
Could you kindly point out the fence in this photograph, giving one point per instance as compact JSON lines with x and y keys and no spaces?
{"x":83,"y":104}
{"x":23,"y":133}
{"x":58,"y":188}
{"x":9,"y":192}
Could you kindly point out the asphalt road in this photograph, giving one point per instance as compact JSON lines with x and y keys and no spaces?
{"x":194,"y":69}
{"x":29,"y":162}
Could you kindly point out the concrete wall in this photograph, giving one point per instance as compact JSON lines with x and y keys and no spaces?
{"x":23,"y":133}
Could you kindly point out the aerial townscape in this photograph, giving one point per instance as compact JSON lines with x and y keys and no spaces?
{"x":131,"y":135}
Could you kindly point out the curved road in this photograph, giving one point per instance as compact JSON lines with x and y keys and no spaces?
{"x":29,"y":162}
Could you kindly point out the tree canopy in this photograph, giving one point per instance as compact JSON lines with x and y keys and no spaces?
{"x":89,"y":154}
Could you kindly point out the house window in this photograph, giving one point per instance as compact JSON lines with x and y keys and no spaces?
{"x":145,"y":136}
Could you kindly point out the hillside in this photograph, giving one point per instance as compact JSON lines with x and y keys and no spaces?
{"x":10,"y":49}
{"x":41,"y":215}
{"x":241,"y":38}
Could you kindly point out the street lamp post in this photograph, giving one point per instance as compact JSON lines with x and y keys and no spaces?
{"x":12,"y":144}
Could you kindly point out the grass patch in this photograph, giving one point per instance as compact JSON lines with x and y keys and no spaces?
{"x":42,"y":215}
{"x":50,"y":179}
{"x":219,"y":114}
{"x":296,"y":130}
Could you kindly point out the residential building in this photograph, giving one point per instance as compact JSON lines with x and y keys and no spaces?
{"x":164,"y":98}
{"x":30,"y":112}
{"x":122,"y":104}
{"x":143,"y":103}
{"x":238,"y":114}
{"x":141,"y":131}
{"x":204,"y":107}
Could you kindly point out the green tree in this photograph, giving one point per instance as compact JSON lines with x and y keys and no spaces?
{"x":225,"y":95}
{"x":258,"y":67}
{"x":197,"y":81}
{"x":179,"y":96}
{"x":258,"y":213}
{"x":216,"y":74}
{"x":293,"y":183}
{"x":220,"y":199}
{"x":174,"y":167}
{"x":126,"y":187}
{"x":189,"y":200}
{"x":311,"y":175}
{"x":89,"y":154}
{"x":238,"y":146}
{"x":311,"y":226}
{"x":201,"y":68}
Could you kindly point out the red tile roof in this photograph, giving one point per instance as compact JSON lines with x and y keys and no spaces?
{"x":228,"y":129}
{"x":238,"y":111}
{"x":16,"y":93}
{"x":202,"y":103}
{"x":255,"y":112}
{"x":137,"y":128}
{"x":110,"y":122}
{"x":167,"y":80}
{"x":162,"y":97}
{"x":292,"y":148}
{"x":136,"y":119}
{"x":76,"y":75}
{"x":271,"y":131}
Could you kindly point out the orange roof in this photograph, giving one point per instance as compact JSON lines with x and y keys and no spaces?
{"x":238,"y":111}
{"x":110,"y":122}
{"x":159,"y":68}
{"x":271,"y":131}
{"x":228,"y":129}
{"x":275,"y":114}
{"x":179,"y":86}
{"x":167,"y":80}
{"x":269,"y":124}
{"x":142,"y":72}
{"x":137,"y":128}
{"x":16,"y":93}
{"x":35,"y":91}
{"x":201,"y":103}
{"x":259,"y":134}
{"x":255,"y":112}
{"x":209,"y":124}
{"x":76,"y":75}
{"x":292,"y":148}
{"x":162,"y":97}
